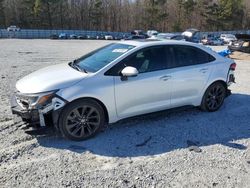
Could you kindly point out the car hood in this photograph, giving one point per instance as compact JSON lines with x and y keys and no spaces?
{"x":50,"y":78}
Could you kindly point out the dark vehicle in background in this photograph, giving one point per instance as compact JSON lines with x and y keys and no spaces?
{"x":139,"y":33}
{"x":135,"y":37}
{"x":178,"y":37}
{"x":81,"y":37}
{"x":100,"y":37}
{"x":118,"y":37}
{"x":242,"y":43}
{"x":192,"y":35}
{"x":54,"y":36}
{"x":73,"y":36}
{"x":91,"y":36}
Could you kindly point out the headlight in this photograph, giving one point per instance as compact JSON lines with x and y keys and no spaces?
{"x":35,"y":100}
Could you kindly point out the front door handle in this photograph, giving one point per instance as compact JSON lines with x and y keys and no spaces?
{"x":165,"y":78}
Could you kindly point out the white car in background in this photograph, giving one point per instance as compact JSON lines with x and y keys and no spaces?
{"x":121,"y":80}
{"x":151,"y":33}
{"x":13,"y":28}
{"x":108,"y":37}
{"x":228,"y":38}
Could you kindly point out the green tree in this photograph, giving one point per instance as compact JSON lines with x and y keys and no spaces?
{"x":2,"y":14}
{"x":224,"y":15}
{"x":155,"y":13}
{"x":231,"y":14}
{"x":96,"y":12}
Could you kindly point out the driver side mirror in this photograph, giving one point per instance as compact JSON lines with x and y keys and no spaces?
{"x":129,"y":72}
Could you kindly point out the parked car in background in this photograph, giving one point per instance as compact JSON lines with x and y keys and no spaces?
{"x":217,"y":41}
{"x":122,"y":80}
{"x":81,"y":37}
{"x":151,"y":33}
{"x":211,"y":40}
{"x":242,"y":43}
{"x":91,"y":36}
{"x":139,"y":33}
{"x":73,"y":36}
{"x":100,"y":36}
{"x":169,"y":36}
{"x":228,"y":38}
{"x":13,"y":28}
{"x":192,"y":35}
{"x":135,"y":37}
{"x":178,"y":37}
{"x":163,"y":36}
{"x":54,"y":36}
{"x":108,"y":37}
{"x":63,"y":36}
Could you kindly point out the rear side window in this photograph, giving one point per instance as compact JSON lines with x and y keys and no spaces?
{"x":188,"y":55}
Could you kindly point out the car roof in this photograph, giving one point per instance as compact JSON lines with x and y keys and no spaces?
{"x":152,"y":42}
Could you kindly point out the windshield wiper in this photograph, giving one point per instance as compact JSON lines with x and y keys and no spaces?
{"x":75,"y":66}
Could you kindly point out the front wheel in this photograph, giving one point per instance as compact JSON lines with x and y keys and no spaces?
{"x":213,"y":97}
{"x":81,"y":119}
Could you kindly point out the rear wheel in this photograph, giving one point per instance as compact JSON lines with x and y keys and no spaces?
{"x":213,"y":97}
{"x":81,"y":119}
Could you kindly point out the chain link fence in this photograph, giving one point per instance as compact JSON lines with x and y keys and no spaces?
{"x":45,"y":34}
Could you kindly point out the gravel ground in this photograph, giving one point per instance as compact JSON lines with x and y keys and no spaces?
{"x":176,"y":148}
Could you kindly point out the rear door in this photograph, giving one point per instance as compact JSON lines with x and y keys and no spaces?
{"x":191,"y":70}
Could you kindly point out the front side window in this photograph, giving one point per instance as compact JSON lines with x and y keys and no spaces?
{"x":99,"y":58}
{"x":145,"y":60}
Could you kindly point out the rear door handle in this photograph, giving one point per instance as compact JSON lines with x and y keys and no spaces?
{"x":165,"y":78}
{"x":204,"y":70}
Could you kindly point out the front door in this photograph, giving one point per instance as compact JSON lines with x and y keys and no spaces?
{"x":150,"y":90}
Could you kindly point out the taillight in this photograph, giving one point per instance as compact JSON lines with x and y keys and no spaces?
{"x":233,"y":66}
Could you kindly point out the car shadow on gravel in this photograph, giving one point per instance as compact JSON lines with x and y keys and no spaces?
{"x":166,"y":131}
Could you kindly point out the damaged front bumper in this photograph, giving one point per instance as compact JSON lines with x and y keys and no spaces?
{"x":37,"y":116}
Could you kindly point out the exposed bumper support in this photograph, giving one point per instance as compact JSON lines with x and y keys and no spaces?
{"x":36,"y":116}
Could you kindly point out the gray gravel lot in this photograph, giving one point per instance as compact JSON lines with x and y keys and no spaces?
{"x":147,"y":151}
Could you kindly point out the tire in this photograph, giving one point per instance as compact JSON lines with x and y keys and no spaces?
{"x":213,"y":97}
{"x":81,"y":119}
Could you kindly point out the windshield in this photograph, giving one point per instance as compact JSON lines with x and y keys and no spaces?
{"x":101,"y":57}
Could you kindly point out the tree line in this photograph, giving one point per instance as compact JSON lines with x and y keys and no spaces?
{"x":126,"y":15}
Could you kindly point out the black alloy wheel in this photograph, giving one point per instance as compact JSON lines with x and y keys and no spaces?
{"x":81,"y":119}
{"x":213,"y":97}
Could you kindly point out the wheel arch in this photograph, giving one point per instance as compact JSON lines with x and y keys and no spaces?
{"x":208,"y":86}
{"x":218,"y":81}
{"x":213,"y":82}
{"x":96,"y":100}
{"x":198,"y":102}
